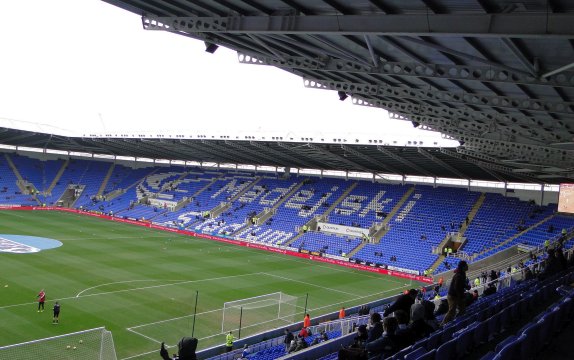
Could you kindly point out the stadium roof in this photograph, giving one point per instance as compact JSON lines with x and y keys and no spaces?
{"x":373,"y":158}
{"x":497,"y":75}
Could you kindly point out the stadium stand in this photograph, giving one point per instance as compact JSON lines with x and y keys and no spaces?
{"x":412,"y":221}
{"x":419,"y":224}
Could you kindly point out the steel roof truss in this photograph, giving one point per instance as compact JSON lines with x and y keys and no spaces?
{"x":560,"y":107}
{"x":369,"y":159}
{"x":399,"y":69}
{"x":441,"y":163}
{"x":404,"y":161}
{"x":297,"y":161}
{"x":525,"y":25}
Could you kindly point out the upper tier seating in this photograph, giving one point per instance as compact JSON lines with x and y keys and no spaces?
{"x":418,"y":227}
{"x":420,"y":224}
{"x":10,"y":193}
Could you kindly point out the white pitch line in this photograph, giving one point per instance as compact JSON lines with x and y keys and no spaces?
{"x":145,"y":336}
{"x":207,"y":337}
{"x":361,"y":297}
{"x":171,"y":319}
{"x":126,"y":290}
{"x":123,"y":282}
{"x":311,"y":284}
{"x":164,"y":285}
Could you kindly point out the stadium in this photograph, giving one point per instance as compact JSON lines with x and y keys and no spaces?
{"x":146,"y":239}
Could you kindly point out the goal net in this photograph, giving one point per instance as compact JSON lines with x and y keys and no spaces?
{"x":94,"y":344}
{"x":265,"y":311}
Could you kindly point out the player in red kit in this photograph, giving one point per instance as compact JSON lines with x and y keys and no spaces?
{"x":41,"y":300}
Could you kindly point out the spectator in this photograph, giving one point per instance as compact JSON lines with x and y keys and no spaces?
{"x":455,"y":296}
{"x":245,"y":352}
{"x":403,"y":302}
{"x":288,"y":338}
{"x":229,"y":338}
{"x":404,"y":335}
{"x":361,"y":338}
{"x":385,"y":345}
{"x":375,"y":327}
{"x":306,"y":321}
{"x":301,"y":344}
{"x":490,"y":289}
{"x":552,"y":264}
{"x":419,"y":326}
{"x":303,"y":333}
{"x":186,"y":348}
{"x":292,"y":346}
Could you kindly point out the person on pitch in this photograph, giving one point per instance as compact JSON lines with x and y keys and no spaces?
{"x":41,"y":300}
{"x":56,"y":309}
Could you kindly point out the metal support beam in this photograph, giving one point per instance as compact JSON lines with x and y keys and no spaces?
{"x":352,"y":164}
{"x":404,"y":161}
{"x":265,"y":46}
{"x":214,"y":156}
{"x":529,"y":65}
{"x":529,"y":153}
{"x":436,"y":111}
{"x":271,"y":161}
{"x":294,"y":161}
{"x":290,"y":148}
{"x":400,"y":69}
{"x":490,"y":166}
{"x":526,"y":25}
{"x":558,"y":71}
{"x":369,"y":159}
{"x":466,"y":56}
{"x":441,"y":163}
{"x":374,"y":56}
{"x":234,"y":155}
{"x":559,"y":107}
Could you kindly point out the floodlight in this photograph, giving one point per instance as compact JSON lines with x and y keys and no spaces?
{"x":210,"y":47}
{"x":342,"y":95}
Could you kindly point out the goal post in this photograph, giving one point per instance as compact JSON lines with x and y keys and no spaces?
{"x":93,"y":344}
{"x":276,"y":308}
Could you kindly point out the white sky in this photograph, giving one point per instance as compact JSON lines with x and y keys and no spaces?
{"x":66,"y":63}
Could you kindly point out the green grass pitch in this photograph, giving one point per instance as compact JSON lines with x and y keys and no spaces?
{"x":141,"y":284}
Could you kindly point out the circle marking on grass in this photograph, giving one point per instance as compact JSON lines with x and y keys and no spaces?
{"x":24,"y":244}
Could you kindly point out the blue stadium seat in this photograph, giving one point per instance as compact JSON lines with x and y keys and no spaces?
{"x":447,"y":351}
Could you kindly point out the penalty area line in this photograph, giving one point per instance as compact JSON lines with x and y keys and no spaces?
{"x":155,"y":286}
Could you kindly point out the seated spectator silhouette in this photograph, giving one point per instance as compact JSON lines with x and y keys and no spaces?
{"x":375,"y":327}
{"x":292,"y":346}
{"x":419,"y":325}
{"x":186,"y":349}
{"x":355,"y":351}
{"x":386,"y":345}
{"x":404,"y":336}
{"x":551,"y":265}
{"x":491,"y":289}
{"x":301,"y":343}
